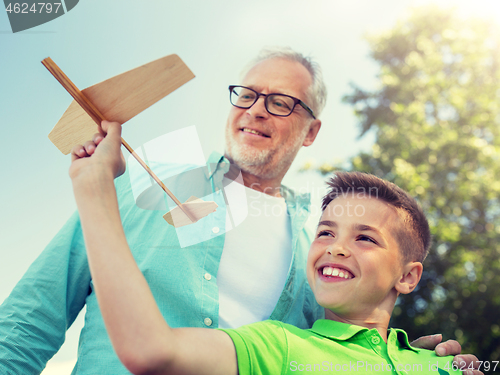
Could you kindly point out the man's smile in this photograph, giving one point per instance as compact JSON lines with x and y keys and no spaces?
{"x":254,"y":132}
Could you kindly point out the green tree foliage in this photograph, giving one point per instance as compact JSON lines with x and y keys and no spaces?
{"x":437,"y":122}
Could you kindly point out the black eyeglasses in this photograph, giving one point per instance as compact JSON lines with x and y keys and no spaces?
{"x":276,"y":104}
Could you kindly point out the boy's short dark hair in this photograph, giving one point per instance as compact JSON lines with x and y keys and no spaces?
{"x":413,"y":235}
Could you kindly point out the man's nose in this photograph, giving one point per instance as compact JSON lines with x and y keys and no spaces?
{"x":258,"y":109}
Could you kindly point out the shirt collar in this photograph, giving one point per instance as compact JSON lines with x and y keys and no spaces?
{"x":344,"y":331}
{"x":402,"y":338}
{"x":297,"y":202}
{"x":217,"y":161}
{"x":336,"y":330}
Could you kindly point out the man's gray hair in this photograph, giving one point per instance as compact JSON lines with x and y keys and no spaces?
{"x":316,"y":95}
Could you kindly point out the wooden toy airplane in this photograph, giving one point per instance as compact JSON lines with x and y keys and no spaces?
{"x":120,"y":98}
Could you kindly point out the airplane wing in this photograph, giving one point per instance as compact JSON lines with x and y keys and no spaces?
{"x":120,"y":98}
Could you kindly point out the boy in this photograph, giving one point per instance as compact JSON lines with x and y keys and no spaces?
{"x":368,"y":249}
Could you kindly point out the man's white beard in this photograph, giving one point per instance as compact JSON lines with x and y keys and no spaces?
{"x":260,"y":162}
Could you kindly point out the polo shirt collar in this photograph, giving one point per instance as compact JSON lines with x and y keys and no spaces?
{"x":403,"y":339}
{"x":336,"y":330}
{"x":344,"y":331}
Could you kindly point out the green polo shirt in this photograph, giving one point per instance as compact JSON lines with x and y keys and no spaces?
{"x":273,"y":347}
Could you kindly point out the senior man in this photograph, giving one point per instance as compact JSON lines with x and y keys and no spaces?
{"x":232,"y":277}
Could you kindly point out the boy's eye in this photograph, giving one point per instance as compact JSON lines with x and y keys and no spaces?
{"x":324,"y":233}
{"x":366,"y":238}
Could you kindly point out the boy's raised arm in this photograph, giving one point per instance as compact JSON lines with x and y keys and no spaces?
{"x":140,"y":336}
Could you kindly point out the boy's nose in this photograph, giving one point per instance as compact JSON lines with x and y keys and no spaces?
{"x":338,"y":249}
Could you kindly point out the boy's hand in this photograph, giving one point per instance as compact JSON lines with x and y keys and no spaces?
{"x":450,"y":347}
{"x":101,"y":156}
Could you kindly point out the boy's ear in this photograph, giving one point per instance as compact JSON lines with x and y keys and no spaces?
{"x":412,"y":272}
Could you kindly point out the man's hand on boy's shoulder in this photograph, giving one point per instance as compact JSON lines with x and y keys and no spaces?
{"x":450,"y":347}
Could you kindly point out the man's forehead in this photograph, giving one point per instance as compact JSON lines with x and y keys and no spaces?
{"x":279,"y":75}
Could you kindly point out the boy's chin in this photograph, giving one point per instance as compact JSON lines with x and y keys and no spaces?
{"x":340,"y":309}
{"x":338,"y":316}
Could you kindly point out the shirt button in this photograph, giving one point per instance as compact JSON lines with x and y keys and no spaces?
{"x":208,"y":322}
{"x":207,"y":276}
{"x":375,"y":340}
{"x":215,"y":230}
{"x":217,"y":189}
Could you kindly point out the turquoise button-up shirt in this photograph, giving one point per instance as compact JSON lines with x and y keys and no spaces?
{"x":46,"y":301}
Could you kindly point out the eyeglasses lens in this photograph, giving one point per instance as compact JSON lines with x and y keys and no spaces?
{"x":280,"y":105}
{"x":242,"y":97}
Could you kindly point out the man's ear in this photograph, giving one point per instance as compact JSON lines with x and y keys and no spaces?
{"x":412,"y":272}
{"x":312,"y":133}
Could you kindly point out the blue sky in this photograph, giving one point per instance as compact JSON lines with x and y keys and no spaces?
{"x":99,"y":39}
